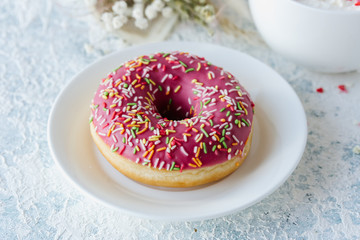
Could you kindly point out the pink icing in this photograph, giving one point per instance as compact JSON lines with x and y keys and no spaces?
{"x":182,"y":87}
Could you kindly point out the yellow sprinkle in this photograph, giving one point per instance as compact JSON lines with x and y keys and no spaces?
{"x":199,"y":139}
{"x":194,"y":80}
{"x":222,"y":120}
{"x":187,"y":134}
{"x":202,"y":125}
{"x":137,"y":76}
{"x":198,"y":67}
{"x":152,"y":82}
{"x":151,"y":97}
{"x":239,"y":93}
{"x":137,"y":148}
{"x":138,"y":85}
{"x":209,"y":76}
{"x":142,"y":87}
{"x":133,"y":82}
{"x":161,"y":149}
{"x":171,"y":139}
{"x":177,"y":89}
{"x":104,"y":97}
{"x":124,"y":77}
{"x":127,"y":120}
{"x":234,"y":144}
{"x":112,"y":106}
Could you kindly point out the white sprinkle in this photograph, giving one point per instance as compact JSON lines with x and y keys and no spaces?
{"x":183,"y":151}
{"x":102,"y":134}
{"x":185,"y":138}
{"x":161,"y":165}
{"x":102,"y":122}
{"x":137,"y":160}
{"x":195,"y":149}
{"x":168,"y":166}
{"x":237,"y":152}
{"x":237,"y":140}
{"x":157,"y":142}
{"x":176,"y":66}
{"x":114,"y":138}
{"x":156,"y":162}
{"x":178,"y":109}
{"x":229,"y":156}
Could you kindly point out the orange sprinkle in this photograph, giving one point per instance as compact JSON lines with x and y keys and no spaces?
{"x":151,"y":154}
{"x":145,"y":154}
{"x":192,"y":165}
{"x":142,"y":131}
{"x":161,"y":149}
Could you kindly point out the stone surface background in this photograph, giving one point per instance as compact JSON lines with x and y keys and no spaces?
{"x":44,"y":43}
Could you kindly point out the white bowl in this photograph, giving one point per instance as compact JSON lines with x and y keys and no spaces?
{"x":321,"y":39}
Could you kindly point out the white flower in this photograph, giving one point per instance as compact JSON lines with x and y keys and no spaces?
{"x":138,"y":10}
{"x":138,"y":1}
{"x":158,"y":5}
{"x":107,"y":17}
{"x":119,"y":7}
{"x":150,"y":12}
{"x":141,"y":23}
{"x":167,"y":12}
{"x":206,"y":12}
{"x":118,"y":21}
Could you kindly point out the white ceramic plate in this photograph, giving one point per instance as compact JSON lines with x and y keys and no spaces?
{"x":278,"y":143}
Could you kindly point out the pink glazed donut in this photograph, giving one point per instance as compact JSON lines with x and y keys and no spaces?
{"x":172,"y":120}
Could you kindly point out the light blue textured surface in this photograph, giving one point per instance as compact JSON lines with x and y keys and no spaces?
{"x":42,"y":47}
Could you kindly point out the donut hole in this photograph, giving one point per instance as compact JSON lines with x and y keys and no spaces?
{"x":173,"y":110}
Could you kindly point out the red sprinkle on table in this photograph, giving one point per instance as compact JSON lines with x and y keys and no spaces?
{"x":320,"y":90}
{"x":342,"y":88}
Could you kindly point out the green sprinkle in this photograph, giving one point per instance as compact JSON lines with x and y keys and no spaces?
{"x":214,"y":148}
{"x":209,"y":63}
{"x":244,"y":121}
{"x":223,"y":132}
{"x":91,"y":119}
{"x":225,"y":146}
{"x":228,"y":113}
{"x":126,"y":85}
{"x":157,"y":117}
{"x":182,"y":63}
{"x":96,"y":106}
{"x":223,"y":109}
{"x":167,"y":140}
{"x":176,"y":168}
{"x":115,"y":149}
{"x":189,"y":70}
{"x":211,"y":122}
{"x":166,"y":54}
{"x":201,"y":105}
{"x":117,"y":68}
{"x":105,"y":109}
{"x":204,"y":148}
{"x":195,"y":92}
{"x":236,"y":121}
{"x":131,"y":104}
{"x":207,"y":102}
{"x":124,"y":140}
{"x":226,"y":126}
{"x":237,"y":114}
{"x":134,"y":151}
{"x":106,"y":93}
{"x":139,"y":116}
{"x":237,"y":87}
{"x":133,"y":134}
{"x":222,"y":139}
{"x":160,"y":88}
{"x":170,"y":101}
{"x":203,"y":130}
{"x":147,"y":80}
{"x":239,"y":107}
{"x":172,"y":166}
{"x":152,"y":128}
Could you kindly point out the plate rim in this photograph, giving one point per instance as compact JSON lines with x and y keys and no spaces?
{"x":157,"y":217}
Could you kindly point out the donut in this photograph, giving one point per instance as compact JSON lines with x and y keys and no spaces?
{"x":172,"y":120}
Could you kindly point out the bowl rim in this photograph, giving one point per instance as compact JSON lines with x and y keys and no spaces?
{"x":324,"y":10}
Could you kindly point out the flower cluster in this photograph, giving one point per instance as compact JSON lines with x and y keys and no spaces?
{"x":117,"y":13}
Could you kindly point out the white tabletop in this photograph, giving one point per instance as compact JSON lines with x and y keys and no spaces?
{"x":43,"y":44}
